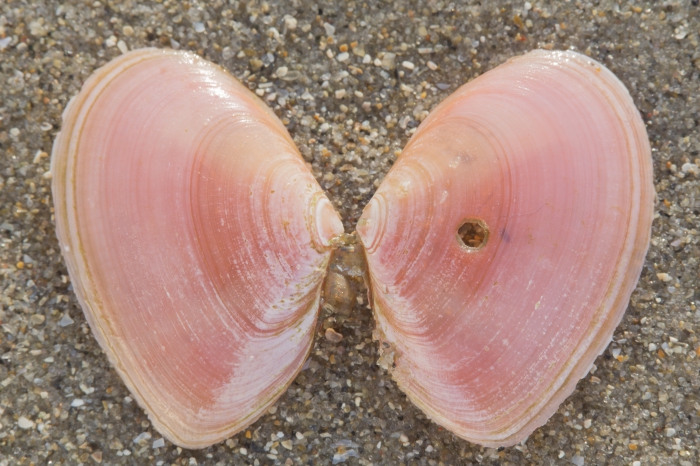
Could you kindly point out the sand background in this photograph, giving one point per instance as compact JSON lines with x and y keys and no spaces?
{"x":60,"y":401}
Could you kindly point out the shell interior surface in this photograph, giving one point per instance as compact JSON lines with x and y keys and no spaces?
{"x":548,"y":159}
{"x":195,"y":237}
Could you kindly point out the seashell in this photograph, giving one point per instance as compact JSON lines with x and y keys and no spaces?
{"x":195,"y":237}
{"x":501,"y":249}
{"x":505,"y":242}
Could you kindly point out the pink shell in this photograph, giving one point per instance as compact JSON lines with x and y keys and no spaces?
{"x":195,"y":237}
{"x":550,"y":152}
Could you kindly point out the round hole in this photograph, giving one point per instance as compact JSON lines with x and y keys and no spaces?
{"x":473,"y":234}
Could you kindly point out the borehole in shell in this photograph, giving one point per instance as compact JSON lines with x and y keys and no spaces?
{"x":473,"y":234}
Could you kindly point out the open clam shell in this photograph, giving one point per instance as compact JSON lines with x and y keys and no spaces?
{"x":505,"y":242}
{"x":195,"y":237}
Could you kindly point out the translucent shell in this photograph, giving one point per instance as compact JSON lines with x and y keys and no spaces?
{"x":549,"y":155}
{"x":195,"y":237}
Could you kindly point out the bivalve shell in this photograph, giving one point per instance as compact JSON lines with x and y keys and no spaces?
{"x":195,"y":237}
{"x":505,"y":242}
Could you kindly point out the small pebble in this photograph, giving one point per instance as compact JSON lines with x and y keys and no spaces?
{"x":65,"y":321}
{"x":87,"y":390}
{"x":333,"y":336}
{"x":24,"y":423}
{"x":290,"y":22}
{"x":389,"y":61}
